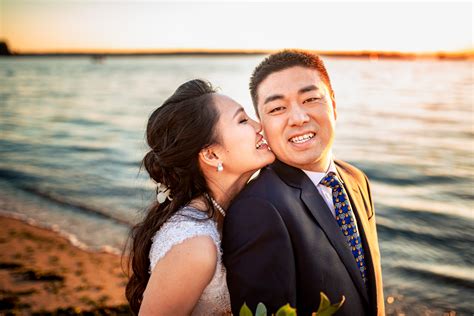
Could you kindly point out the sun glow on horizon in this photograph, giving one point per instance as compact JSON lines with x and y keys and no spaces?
{"x":53,"y":25}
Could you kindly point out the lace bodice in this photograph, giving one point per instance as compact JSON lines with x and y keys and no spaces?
{"x":186,"y":223}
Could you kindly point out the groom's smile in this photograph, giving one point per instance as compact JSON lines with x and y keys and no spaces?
{"x":301,"y":139}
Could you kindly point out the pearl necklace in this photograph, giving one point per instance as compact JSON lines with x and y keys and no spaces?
{"x":216,"y":205}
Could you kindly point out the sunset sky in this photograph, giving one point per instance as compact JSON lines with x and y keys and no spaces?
{"x":67,"y":25}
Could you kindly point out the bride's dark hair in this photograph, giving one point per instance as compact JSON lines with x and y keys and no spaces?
{"x":176,"y":132}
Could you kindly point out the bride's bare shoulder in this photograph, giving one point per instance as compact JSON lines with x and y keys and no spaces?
{"x":179,"y":278}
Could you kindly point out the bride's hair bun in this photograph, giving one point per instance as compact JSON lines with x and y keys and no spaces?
{"x":176,"y":132}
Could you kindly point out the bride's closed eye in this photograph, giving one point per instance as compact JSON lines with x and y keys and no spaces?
{"x":243,"y":120}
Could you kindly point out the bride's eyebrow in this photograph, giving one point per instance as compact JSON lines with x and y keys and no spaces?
{"x":238,"y":112}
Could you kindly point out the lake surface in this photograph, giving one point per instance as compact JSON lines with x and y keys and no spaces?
{"x":72,"y":137}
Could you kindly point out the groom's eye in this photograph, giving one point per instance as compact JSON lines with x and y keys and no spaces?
{"x":277,"y":109}
{"x":313,"y":99}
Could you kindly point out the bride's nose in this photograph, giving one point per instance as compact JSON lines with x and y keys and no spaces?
{"x":256,"y":125}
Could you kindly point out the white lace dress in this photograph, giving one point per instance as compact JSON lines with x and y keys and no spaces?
{"x":186,"y":223}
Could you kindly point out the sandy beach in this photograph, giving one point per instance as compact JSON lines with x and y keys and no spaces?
{"x":42,"y":272}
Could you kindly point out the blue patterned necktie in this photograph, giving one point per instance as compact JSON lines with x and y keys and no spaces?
{"x":345,"y":219}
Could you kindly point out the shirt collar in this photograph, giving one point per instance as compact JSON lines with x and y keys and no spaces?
{"x":316,"y":177}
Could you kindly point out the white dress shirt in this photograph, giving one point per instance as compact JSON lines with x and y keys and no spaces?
{"x":326,"y":192}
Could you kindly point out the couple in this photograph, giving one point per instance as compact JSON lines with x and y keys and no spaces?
{"x":305,"y":225}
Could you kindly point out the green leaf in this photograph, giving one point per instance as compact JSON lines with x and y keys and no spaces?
{"x":325,"y":308}
{"x":286,"y":310}
{"x":328,"y":308}
{"x":261,"y":310}
{"x":323,"y":303}
{"x":245,"y":311}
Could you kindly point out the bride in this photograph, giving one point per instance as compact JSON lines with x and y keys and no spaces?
{"x":203,"y":150}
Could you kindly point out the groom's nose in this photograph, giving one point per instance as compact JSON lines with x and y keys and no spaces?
{"x":298,"y":115}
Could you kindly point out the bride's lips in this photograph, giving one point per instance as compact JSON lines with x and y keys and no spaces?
{"x":261,"y":143}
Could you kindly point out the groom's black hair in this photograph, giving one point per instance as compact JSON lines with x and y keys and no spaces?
{"x":283,"y":60}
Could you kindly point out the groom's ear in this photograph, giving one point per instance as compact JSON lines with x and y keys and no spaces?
{"x":333,"y":100}
{"x":209,"y":157}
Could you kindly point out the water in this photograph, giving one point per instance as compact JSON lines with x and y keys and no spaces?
{"x":72,"y":136}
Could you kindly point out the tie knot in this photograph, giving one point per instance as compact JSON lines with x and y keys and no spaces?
{"x":330,"y":180}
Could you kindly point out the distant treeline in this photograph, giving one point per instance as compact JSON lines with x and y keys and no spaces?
{"x":463,"y":55}
{"x":4,"y":51}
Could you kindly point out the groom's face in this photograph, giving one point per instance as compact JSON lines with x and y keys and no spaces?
{"x":298,"y":117}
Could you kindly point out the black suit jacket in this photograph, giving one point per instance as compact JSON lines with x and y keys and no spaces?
{"x":282,"y":245}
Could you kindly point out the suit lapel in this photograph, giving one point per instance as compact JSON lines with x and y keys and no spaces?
{"x":321,"y":213}
{"x":358,"y":208}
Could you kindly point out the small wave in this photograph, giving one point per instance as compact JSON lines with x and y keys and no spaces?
{"x":78,"y":121}
{"x":417,"y":227}
{"x":75,"y":205}
{"x":84,"y":149}
{"x":463,"y":195}
{"x":402,"y":175}
{"x":48,"y":149}
{"x":432,"y":275}
{"x":448,"y":242}
{"x":390,"y":231}
{"x":16,"y":175}
{"x":425,"y":117}
{"x":425,"y":217}
{"x":118,"y":162}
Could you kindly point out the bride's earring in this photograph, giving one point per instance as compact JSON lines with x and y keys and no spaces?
{"x":220,"y":167}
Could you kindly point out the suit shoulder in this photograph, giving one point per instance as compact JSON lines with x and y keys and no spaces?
{"x":352,"y":170}
{"x":265,"y":184}
{"x":265,"y":193}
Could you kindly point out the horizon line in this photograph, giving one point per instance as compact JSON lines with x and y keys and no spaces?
{"x":373,"y":54}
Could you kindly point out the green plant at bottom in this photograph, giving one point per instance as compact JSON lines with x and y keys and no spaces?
{"x":325,"y":308}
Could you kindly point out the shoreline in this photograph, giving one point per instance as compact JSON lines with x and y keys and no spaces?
{"x":99,"y":55}
{"x":43,"y":271}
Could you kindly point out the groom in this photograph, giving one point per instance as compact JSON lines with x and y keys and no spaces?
{"x":306,"y":224}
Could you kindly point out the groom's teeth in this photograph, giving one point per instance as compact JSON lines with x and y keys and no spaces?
{"x":302,"y":138}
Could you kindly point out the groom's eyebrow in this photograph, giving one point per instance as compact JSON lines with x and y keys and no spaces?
{"x":273,"y":98}
{"x":300,"y":91}
{"x":307,"y":89}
